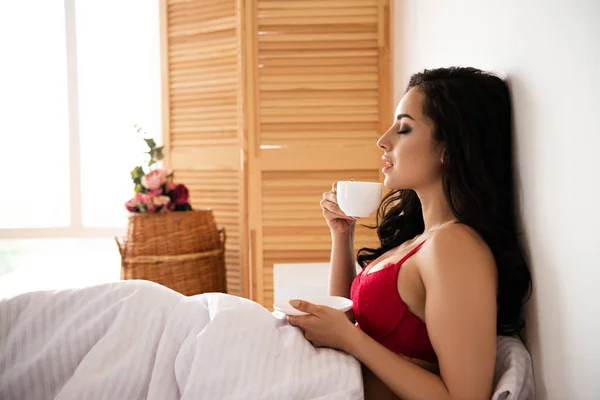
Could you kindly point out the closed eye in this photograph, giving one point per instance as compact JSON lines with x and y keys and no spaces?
{"x":403,"y":131}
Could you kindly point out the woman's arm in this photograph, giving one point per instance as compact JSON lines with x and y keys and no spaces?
{"x":342,"y":264}
{"x":460,"y":311}
{"x":459,"y":275}
{"x":343,"y":268}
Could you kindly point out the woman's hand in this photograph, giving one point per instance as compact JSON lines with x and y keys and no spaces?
{"x":337,"y":220}
{"x":324,"y":326}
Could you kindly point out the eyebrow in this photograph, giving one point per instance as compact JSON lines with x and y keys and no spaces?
{"x":400,"y":116}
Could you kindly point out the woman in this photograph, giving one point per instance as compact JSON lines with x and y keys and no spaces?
{"x":449,"y":275}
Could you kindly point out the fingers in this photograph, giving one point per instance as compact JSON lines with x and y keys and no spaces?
{"x":311,"y":340}
{"x":303,"y":322}
{"x":331,"y":209}
{"x":301,"y":305}
{"x":331,"y":206}
{"x":334,"y":189}
{"x":299,"y":321}
{"x":334,"y":209}
{"x":331,"y":196}
{"x":305,"y":306}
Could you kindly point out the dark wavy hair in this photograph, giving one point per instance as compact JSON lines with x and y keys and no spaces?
{"x":472,"y":115}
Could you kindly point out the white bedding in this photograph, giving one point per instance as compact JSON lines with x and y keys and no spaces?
{"x":140,"y":340}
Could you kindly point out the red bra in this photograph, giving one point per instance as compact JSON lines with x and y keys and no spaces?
{"x":382,"y":314}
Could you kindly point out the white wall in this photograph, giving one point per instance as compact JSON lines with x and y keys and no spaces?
{"x":550,"y":53}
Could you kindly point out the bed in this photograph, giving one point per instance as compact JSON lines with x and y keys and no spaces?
{"x":140,"y":340}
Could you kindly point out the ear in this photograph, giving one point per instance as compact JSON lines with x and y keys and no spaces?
{"x":443,"y":155}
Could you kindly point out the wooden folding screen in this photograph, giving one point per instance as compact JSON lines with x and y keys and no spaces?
{"x":268,"y":102}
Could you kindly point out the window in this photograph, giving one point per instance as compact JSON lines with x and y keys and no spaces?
{"x":34,"y":117}
{"x":76,"y":76}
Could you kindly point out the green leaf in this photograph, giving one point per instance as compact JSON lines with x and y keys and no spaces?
{"x":151,"y":143}
{"x":137,"y":172}
{"x":158,"y":153}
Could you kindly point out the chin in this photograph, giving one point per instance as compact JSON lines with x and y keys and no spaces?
{"x":391,"y":183}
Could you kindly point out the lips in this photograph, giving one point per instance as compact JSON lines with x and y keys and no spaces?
{"x":388,"y":164}
{"x":387,"y":161}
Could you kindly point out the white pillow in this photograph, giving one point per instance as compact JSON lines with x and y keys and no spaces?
{"x":513,"y":377}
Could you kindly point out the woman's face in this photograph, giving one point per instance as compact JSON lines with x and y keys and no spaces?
{"x":413,"y":159}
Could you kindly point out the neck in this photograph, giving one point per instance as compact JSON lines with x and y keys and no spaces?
{"x":436,"y":210}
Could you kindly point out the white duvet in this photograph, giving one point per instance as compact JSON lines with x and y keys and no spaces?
{"x":140,"y":340}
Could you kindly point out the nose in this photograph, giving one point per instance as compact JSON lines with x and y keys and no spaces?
{"x":383,"y":142}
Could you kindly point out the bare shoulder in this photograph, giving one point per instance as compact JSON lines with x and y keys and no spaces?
{"x":459,"y":251}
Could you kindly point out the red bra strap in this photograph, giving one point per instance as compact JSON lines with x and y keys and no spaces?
{"x":410,"y":253}
{"x":406,"y":257}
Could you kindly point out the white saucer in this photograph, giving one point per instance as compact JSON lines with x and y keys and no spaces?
{"x":337,"y":302}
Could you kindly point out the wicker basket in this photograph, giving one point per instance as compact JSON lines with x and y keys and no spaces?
{"x":182,"y":250}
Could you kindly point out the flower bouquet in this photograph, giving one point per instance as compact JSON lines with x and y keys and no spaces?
{"x":155,"y":190}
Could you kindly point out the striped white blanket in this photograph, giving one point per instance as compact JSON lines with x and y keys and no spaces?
{"x":140,"y":340}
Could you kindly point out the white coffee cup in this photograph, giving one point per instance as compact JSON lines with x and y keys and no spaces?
{"x":359,"y":199}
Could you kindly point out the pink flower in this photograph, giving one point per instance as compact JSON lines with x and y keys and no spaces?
{"x":148,"y":201}
{"x":155,"y":179}
{"x":148,"y":198}
{"x":133,"y":203}
{"x":160,"y":201}
{"x":181,"y":195}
